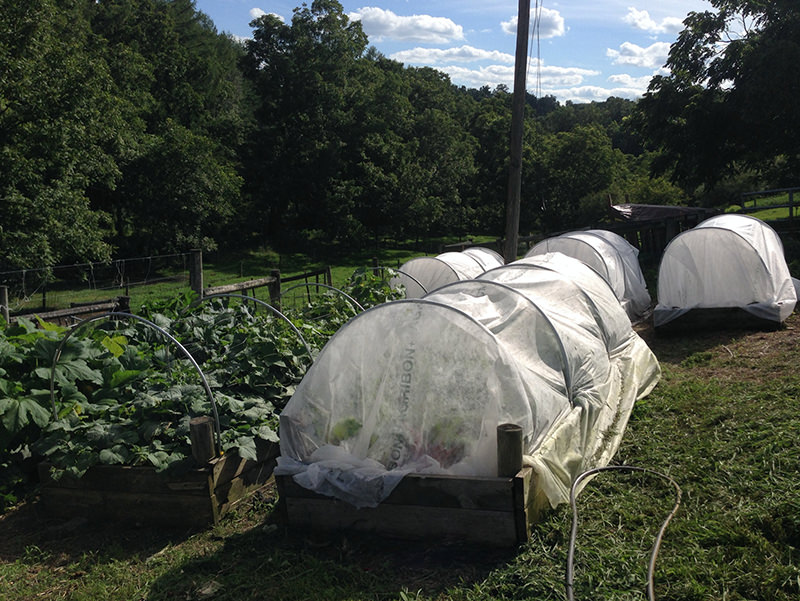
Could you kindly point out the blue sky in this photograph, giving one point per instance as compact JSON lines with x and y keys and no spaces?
{"x":586,"y":49}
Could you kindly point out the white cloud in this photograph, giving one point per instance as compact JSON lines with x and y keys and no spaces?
{"x":641,"y":19}
{"x":580,"y":94}
{"x":462,"y":54}
{"x":551,"y":24}
{"x":380,"y":24}
{"x":494,"y":75}
{"x":255,"y":13}
{"x":629,"y":81}
{"x":652,"y":57}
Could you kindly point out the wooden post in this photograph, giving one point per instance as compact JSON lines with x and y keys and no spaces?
{"x":509,"y":450}
{"x":517,"y":128}
{"x":4,"y":302}
{"x":275,"y":289}
{"x":196,"y":272}
{"x":201,"y":435}
{"x":124,"y":304}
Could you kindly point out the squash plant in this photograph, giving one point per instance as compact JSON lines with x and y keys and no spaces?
{"x":124,"y":395}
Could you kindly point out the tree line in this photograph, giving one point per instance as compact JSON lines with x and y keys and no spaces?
{"x":134,"y":126}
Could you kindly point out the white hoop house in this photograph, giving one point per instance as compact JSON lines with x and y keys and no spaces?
{"x":420,"y":386}
{"x":726,"y":262}
{"x":611,"y":256}
{"x":425,"y":274}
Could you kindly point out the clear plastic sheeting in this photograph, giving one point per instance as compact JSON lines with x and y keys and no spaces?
{"x":728,"y":261}
{"x":610,"y":255}
{"x":426,"y":274}
{"x":421,"y":385}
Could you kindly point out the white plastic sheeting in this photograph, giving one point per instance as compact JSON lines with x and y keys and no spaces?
{"x":421,"y":385}
{"x":727,"y":261}
{"x":610,"y":255}
{"x":425,"y":274}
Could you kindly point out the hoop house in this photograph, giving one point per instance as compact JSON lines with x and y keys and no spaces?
{"x":420,"y":385}
{"x":425,"y":274}
{"x":727,"y":262}
{"x":611,"y":256}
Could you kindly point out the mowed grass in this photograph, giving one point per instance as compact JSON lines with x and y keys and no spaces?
{"x":771,"y":207}
{"x":724,"y":422}
{"x":169,"y":277}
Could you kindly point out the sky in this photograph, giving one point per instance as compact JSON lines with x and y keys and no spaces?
{"x":582,"y":50}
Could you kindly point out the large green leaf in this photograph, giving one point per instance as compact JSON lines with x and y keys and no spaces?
{"x":116,"y":455}
{"x":246,"y":446}
{"x":122,"y":377}
{"x":18,"y":413}
{"x":116,"y":345}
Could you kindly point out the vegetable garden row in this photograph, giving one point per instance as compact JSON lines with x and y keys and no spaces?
{"x":123,"y":391}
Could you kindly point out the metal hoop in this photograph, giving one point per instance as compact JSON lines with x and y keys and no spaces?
{"x":342,"y":292}
{"x":260,"y":302}
{"x":169,"y":336}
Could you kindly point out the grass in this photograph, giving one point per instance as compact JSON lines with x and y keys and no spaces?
{"x":723,"y":421}
{"x":780,"y":202}
{"x":170,"y":278}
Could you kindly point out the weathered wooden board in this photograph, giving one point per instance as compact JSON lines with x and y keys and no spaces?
{"x":491,"y":511}
{"x":140,"y":495}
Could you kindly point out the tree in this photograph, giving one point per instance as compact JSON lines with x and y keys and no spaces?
{"x":730,"y":102}
{"x":304,"y":77}
{"x":57,"y":132}
{"x":186,"y":113}
{"x":578,"y":163}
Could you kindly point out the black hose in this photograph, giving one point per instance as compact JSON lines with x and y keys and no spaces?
{"x":573,"y":535}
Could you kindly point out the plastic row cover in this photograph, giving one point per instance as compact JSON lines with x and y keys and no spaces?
{"x":610,"y":255}
{"x":421,"y":385}
{"x":426,"y":274}
{"x":728,"y":261}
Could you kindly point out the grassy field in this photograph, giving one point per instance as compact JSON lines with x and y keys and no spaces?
{"x":724,"y":422}
{"x":762,"y":207}
{"x":169,"y":278}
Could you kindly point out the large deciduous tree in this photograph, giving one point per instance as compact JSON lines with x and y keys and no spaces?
{"x":304,"y":74}
{"x":185,"y":103}
{"x":57,"y":126}
{"x":730,"y":102}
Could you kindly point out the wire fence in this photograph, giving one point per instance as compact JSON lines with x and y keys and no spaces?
{"x":62,"y":286}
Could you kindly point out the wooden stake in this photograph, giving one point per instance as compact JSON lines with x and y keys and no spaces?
{"x":201,"y":435}
{"x":509,"y":450}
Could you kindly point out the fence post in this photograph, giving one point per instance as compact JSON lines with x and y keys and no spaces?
{"x":196,"y":272}
{"x":4,"y":302}
{"x":275,"y":289}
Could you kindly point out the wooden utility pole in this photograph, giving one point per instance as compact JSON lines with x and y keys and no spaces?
{"x":517,"y":125}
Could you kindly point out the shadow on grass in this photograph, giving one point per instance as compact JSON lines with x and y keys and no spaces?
{"x":273,"y":561}
{"x":29,"y":529}
{"x":699,"y":332}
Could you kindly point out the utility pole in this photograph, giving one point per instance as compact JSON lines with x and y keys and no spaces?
{"x":517,"y":125}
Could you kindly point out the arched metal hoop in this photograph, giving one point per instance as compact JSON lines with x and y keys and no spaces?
{"x":352,"y":301}
{"x":164,"y":333}
{"x":408,"y":275}
{"x":259,"y":302}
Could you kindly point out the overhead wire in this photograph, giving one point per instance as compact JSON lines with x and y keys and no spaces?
{"x":535,"y":37}
{"x":569,"y":579}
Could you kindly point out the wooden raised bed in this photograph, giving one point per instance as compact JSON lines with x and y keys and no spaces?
{"x":491,"y":511}
{"x":140,"y":496}
{"x":494,"y":511}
